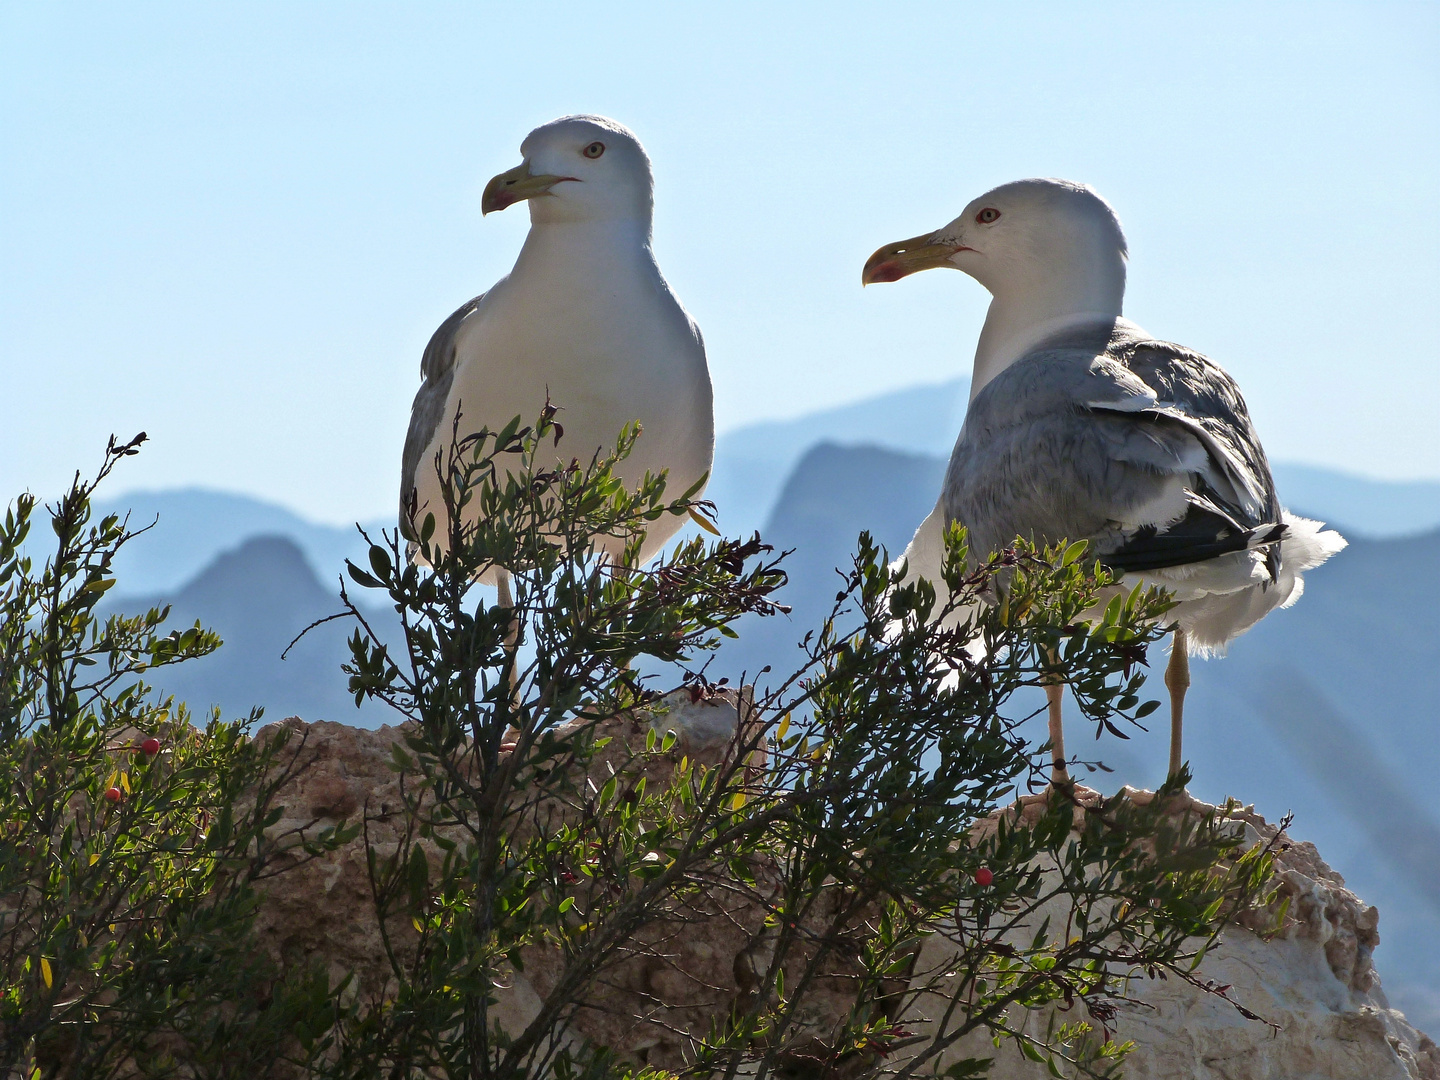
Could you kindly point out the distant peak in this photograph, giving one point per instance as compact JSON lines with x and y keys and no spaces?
{"x":266,"y":563}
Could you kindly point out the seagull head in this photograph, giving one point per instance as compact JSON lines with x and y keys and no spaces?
{"x":1016,"y":237}
{"x":577,"y":168}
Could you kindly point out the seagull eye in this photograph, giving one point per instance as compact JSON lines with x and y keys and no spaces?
{"x":986,"y":216}
{"x":594,"y":150}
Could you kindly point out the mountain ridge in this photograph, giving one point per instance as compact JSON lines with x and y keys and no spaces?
{"x":259,"y":597}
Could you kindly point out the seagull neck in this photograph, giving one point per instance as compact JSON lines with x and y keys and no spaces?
{"x":609,"y":232}
{"x":1013,"y":327}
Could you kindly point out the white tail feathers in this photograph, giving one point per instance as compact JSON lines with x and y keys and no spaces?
{"x":1308,"y":543}
{"x":1214,"y":621}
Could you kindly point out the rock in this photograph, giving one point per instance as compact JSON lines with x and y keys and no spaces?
{"x":1314,"y":981}
{"x":702,"y":722}
{"x":321,"y":911}
{"x":1313,"y":984}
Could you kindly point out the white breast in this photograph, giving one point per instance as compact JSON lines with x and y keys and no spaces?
{"x":588,"y":321}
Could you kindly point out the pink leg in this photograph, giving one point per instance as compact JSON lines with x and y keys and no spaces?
{"x":1058,"y":774}
{"x":1177,"y":681}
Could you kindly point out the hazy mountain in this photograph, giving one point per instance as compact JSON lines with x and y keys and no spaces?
{"x":258,"y":597}
{"x":753,"y":462}
{"x":834,"y":493}
{"x":193,"y":525}
{"x":1359,"y":505}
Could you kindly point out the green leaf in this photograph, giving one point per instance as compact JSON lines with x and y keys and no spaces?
{"x":418,"y":874}
{"x":969,"y":1069}
{"x":380,"y":561}
{"x":360,"y":577}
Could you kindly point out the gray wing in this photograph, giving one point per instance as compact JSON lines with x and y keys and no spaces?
{"x":1198,"y":390}
{"x":437,"y":372}
{"x":1068,"y":444}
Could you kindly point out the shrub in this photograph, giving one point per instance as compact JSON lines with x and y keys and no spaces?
{"x":856,"y":833}
{"x":850,"y":828}
{"x":131,"y":842}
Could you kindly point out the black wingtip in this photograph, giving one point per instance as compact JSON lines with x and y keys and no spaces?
{"x":1275,"y":535}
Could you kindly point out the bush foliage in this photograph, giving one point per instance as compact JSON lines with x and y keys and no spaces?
{"x":850,"y":825}
{"x":128,"y":867}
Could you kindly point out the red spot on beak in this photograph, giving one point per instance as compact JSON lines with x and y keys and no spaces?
{"x":499,"y":200}
{"x":889,"y":270}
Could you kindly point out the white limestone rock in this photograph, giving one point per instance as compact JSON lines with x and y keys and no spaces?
{"x":1314,"y":981}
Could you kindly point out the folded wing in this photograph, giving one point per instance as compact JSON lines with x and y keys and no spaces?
{"x":437,"y":373}
{"x":1144,"y":448}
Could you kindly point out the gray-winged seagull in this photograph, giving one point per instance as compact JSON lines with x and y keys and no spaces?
{"x":585,"y":318}
{"x":1082,"y":426}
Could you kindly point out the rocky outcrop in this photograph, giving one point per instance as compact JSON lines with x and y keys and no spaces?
{"x":1314,"y":984}
{"x":322,"y":911}
{"x":1323,"y":1015}
{"x":1314,"y":981}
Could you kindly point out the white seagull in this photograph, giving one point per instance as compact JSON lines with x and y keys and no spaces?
{"x":1082,"y":426}
{"x":585,"y":318}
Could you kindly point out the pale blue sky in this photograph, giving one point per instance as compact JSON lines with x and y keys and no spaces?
{"x":236,"y":225}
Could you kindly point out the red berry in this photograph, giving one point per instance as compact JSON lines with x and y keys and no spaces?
{"x":983,"y":876}
{"x":113,"y":794}
{"x":151,"y":746}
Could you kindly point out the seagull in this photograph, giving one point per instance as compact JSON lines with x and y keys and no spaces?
{"x":585,"y":319}
{"x":1082,"y":426}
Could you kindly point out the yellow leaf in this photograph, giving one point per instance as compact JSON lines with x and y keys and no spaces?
{"x":415,"y":922}
{"x":45,"y":973}
{"x":784,"y":727}
{"x":94,"y":857}
{"x":704,"y":522}
{"x":125,"y":782}
{"x":738,"y":801}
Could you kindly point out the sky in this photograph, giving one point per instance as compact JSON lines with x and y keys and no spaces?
{"x":235,"y":226}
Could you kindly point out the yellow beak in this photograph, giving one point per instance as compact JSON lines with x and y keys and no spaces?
{"x":517,"y":185}
{"x":906,"y":257}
